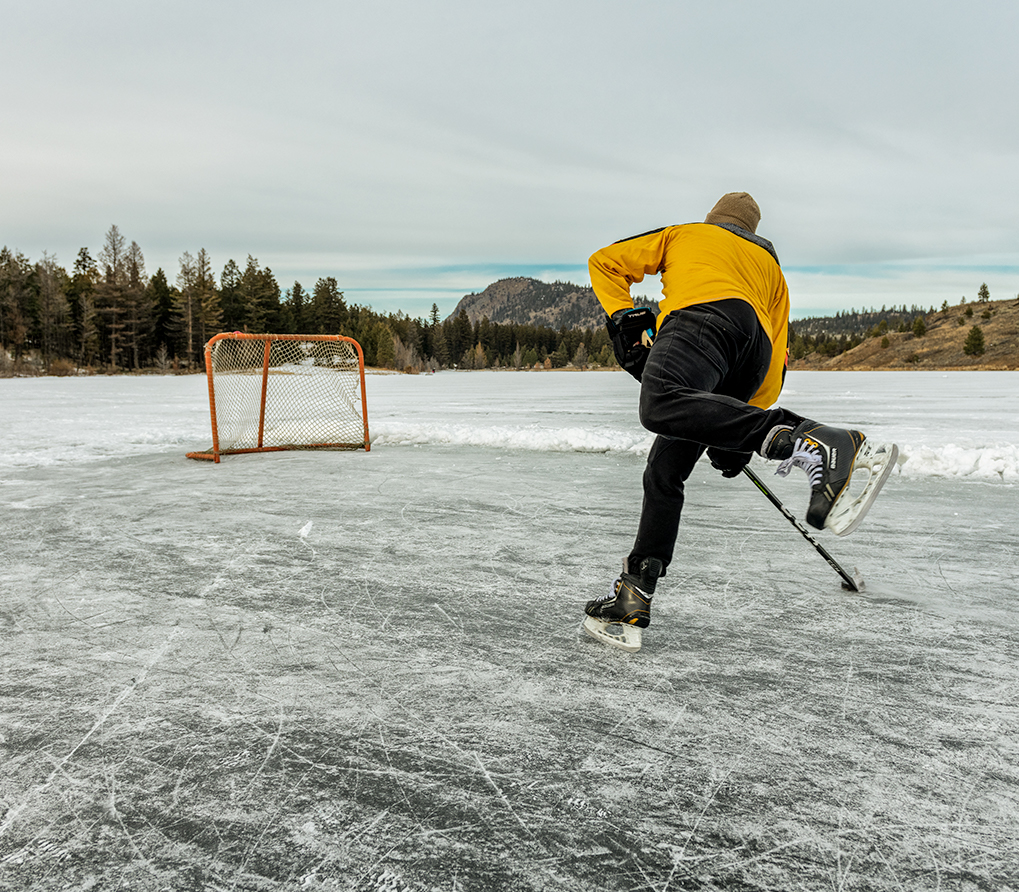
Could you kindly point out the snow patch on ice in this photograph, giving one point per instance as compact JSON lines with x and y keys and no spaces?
{"x":997,"y":462}
{"x":534,"y":438}
{"x":961,"y":426}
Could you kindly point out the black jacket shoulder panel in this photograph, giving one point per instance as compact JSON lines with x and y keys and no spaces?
{"x":729,"y":227}
{"x":630,"y":238}
{"x":750,"y":237}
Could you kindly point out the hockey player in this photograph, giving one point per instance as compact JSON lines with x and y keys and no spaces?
{"x":710,"y":372}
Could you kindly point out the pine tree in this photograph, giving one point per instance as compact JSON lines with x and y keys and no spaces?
{"x":974,"y":345}
{"x":13,"y":275}
{"x":983,"y":295}
{"x":83,"y":307}
{"x":459,"y":334}
{"x":327,"y":313}
{"x":270,"y":296}
{"x":919,"y":327}
{"x":297,"y":299}
{"x":209,"y":313}
{"x":440,"y":349}
{"x":258,"y":295}
{"x":229,"y":297}
{"x":160,"y":299}
{"x":138,"y":310}
{"x":54,"y":311}
{"x":380,"y":342}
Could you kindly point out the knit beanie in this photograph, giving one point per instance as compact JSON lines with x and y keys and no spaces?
{"x":738,"y":208}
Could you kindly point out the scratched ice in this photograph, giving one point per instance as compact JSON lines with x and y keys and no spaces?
{"x":363,"y":670}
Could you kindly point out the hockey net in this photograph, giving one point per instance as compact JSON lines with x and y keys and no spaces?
{"x":269,"y":393}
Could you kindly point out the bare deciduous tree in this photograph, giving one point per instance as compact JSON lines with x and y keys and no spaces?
{"x":112,"y":289}
{"x":207,"y":297}
{"x":186,"y":303}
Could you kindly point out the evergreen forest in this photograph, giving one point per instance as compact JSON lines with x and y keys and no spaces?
{"x":107,"y":315}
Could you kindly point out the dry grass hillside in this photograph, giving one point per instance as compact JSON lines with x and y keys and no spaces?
{"x":942,"y":345}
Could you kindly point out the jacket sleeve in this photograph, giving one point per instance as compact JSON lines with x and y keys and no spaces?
{"x":615,"y":268}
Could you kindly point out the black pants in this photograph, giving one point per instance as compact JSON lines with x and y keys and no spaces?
{"x":706,"y":362}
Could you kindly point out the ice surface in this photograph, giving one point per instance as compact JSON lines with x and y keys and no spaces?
{"x":351,"y":670}
{"x":946,"y":424}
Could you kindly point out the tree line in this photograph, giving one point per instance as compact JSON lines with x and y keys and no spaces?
{"x":107,"y":314}
{"x":832,"y":335}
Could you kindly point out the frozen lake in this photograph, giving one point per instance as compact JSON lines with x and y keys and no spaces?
{"x":947,"y":424}
{"x":350,"y":670}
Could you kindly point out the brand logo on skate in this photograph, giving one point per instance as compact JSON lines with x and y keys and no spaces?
{"x":832,"y":459}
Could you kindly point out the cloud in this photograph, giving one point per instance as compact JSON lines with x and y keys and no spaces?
{"x":424,"y":138}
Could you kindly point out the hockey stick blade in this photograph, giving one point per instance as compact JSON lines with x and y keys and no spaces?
{"x":621,"y":635}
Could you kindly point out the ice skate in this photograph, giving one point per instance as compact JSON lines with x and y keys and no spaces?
{"x":831,"y":456}
{"x":617,"y":617}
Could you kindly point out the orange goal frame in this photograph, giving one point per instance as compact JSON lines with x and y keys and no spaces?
{"x":268,"y":339}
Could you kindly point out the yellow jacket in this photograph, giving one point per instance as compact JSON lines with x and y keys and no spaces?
{"x":700,"y":263}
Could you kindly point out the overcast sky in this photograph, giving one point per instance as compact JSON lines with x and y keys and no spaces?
{"x":418,"y":151}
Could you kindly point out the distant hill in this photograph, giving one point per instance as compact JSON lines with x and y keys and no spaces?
{"x":885,"y":337}
{"x":941,"y":346}
{"x":526,"y":301}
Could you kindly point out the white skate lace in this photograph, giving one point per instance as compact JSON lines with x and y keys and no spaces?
{"x":807,"y":456}
{"x":611,"y":593}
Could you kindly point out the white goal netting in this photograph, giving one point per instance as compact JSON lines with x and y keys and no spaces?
{"x":272,"y":392}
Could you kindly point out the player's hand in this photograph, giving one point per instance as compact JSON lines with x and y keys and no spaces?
{"x":632,"y":333}
{"x":731,"y":464}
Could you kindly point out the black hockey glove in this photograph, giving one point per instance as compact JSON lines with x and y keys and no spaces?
{"x":632,"y":333}
{"x":731,"y":464}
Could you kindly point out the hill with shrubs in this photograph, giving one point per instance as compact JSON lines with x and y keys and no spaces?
{"x":980,"y":334}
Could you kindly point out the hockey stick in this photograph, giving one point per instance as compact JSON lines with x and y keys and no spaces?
{"x":851,"y":583}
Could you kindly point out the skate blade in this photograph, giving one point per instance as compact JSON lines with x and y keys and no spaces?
{"x":620,"y":635}
{"x":849,"y":508}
